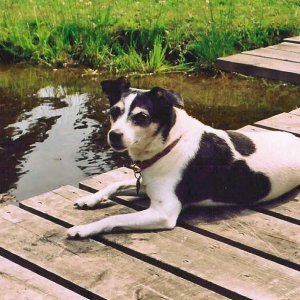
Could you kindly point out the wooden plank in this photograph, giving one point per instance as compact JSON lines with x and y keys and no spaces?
{"x":246,"y":274}
{"x":286,"y":210}
{"x":19,"y":283}
{"x":284,"y":121}
{"x":275,"y":54}
{"x":100,"y":181}
{"x":294,"y":39}
{"x":253,"y":129}
{"x":260,"y":233}
{"x":250,"y":228}
{"x":289,"y":47}
{"x":295,"y":111}
{"x":289,"y":210}
{"x":261,"y":67}
{"x":88,"y":264}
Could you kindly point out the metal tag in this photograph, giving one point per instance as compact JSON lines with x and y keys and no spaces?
{"x":138,"y":185}
{"x":138,"y":176}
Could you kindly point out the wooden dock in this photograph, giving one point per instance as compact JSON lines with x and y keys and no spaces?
{"x":279,"y":62}
{"x":228,"y":253}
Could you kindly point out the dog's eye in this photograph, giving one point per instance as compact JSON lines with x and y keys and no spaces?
{"x":115,"y":112}
{"x":140,"y":119}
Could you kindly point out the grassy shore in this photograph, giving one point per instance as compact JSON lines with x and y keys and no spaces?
{"x":141,"y":36}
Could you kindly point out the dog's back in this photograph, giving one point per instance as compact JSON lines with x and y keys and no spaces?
{"x":228,"y":166}
{"x":277,"y":155}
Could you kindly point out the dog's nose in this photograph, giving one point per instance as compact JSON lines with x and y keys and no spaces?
{"x":115,"y":137}
{"x":116,"y":140}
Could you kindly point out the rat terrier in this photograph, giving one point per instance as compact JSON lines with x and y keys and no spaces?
{"x":182,"y":161}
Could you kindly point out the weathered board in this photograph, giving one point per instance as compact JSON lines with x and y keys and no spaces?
{"x":288,"y":47}
{"x":295,"y":111}
{"x":194,"y":254}
{"x":288,"y":122}
{"x":97,"y":270}
{"x":275,"y":54}
{"x":258,"y":231}
{"x":98,"y":182}
{"x":261,"y":67}
{"x":295,"y":39}
{"x":252,"y":128}
{"x":289,"y":211}
{"x":19,"y":283}
{"x":278,"y":62}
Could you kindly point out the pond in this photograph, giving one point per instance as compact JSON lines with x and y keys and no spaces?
{"x":53,"y":127}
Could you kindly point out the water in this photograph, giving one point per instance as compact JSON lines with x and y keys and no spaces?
{"x":53,"y":127}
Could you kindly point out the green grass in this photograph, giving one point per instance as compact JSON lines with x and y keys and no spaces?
{"x":141,"y":36}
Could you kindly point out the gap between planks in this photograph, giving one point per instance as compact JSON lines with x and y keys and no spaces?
{"x":286,"y":211}
{"x":99,"y":270}
{"x":261,"y":67}
{"x":295,"y":39}
{"x":231,"y":226}
{"x":288,"y":122}
{"x":18,"y":282}
{"x":278,"y":62}
{"x":109,"y":178}
{"x":274,"y":54}
{"x":195,"y":252}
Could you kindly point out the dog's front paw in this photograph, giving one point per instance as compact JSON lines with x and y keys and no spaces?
{"x":89,"y":201}
{"x":81,"y":231}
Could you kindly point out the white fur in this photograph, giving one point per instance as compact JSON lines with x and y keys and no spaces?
{"x":277,"y":155}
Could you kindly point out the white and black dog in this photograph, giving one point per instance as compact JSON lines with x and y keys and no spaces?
{"x":183,"y":161}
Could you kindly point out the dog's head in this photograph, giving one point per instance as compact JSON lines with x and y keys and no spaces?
{"x":139,"y":116}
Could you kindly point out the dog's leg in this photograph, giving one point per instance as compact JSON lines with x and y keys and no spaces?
{"x":111,"y":190}
{"x":155,"y":217}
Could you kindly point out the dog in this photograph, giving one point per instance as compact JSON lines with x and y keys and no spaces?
{"x":181,"y":161}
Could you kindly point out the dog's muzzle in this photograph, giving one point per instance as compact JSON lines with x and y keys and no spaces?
{"x":115,"y":140}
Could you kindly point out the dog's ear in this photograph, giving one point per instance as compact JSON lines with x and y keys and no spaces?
{"x":114,"y":89}
{"x":169,"y":96}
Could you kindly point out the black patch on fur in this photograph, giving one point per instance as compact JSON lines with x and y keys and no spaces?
{"x":169,"y":96}
{"x":115,"y":112}
{"x":160,"y":111}
{"x":214,"y":174}
{"x":243,"y":144}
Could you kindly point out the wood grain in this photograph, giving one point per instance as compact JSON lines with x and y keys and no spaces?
{"x":288,"y":47}
{"x":284,"y":122}
{"x":295,"y":39}
{"x":193,"y":253}
{"x":289,"y":210}
{"x":19,"y":283}
{"x":275,"y":54}
{"x":261,"y":67}
{"x":89,"y":264}
{"x":98,"y":182}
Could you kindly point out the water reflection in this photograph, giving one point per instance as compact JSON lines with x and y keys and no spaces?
{"x":53,"y":144}
{"x":53,"y":130}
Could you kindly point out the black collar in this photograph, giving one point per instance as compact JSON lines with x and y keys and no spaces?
{"x":142,"y":165}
